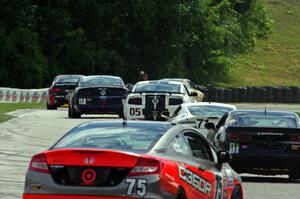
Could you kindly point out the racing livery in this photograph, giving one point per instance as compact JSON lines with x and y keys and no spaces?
{"x":97,"y":94}
{"x":134,"y":159}
{"x":149,"y":99}
{"x":58,"y":91}
{"x":200,"y":113}
{"x":261,"y":142}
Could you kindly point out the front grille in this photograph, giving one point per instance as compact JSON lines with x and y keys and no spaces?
{"x":75,"y":175}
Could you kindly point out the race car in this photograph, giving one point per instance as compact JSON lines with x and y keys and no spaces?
{"x":130,"y":160}
{"x":201,"y":113}
{"x":190,"y":86}
{"x":58,"y":91}
{"x":261,"y":142}
{"x":149,"y":99}
{"x":97,"y":94}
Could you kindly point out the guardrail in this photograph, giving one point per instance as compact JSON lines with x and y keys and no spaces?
{"x":268,"y":94}
{"x":23,"y":95}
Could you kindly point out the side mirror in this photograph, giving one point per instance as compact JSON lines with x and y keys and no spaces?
{"x":165,"y":115}
{"x":223,"y":156}
{"x":194,"y":94}
{"x":210,"y":125}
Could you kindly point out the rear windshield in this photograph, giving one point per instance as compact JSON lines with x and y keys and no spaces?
{"x":157,"y":87}
{"x":262,"y":120}
{"x":101,"y":81}
{"x":128,"y":139}
{"x":70,"y":79}
{"x":208,"y":110}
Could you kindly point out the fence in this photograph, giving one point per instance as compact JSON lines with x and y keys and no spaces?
{"x":23,"y":95}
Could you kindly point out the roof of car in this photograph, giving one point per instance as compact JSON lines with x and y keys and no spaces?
{"x":209,"y":104}
{"x":94,"y":76}
{"x":279,"y":113}
{"x":158,"y":81}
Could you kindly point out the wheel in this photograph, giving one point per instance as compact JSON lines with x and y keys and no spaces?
{"x":74,"y":113}
{"x":51,"y":107}
{"x":69,"y":111}
{"x":294,"y":174}
{"x":237,"y":193}
{"x":181,"y":194}
{"x":121,"y":114}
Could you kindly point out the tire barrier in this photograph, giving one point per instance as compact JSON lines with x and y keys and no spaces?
{"x":23,"y":95}
{"x":266,"y":94}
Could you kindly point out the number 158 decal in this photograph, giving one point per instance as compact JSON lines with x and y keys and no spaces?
{"x":140,"y":185}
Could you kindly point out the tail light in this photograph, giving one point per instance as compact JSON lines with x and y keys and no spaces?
{"x":54,"y":90}
{"x":175,"y":101}
{"x":294,"y":138}
{"x":39,"y":163}
{"x":137,"y":101}
{"x":146,"y":166}
{"x":233,"y":137}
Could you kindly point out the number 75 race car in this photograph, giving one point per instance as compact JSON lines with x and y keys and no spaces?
{"x":134,"y":159}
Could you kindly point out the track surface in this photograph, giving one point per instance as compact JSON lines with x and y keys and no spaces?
{"x":36,"y":131}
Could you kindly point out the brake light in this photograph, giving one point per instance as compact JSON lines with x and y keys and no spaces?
{"x":233,"y":137}
{"x":55,"y":90}
{"x":294,"y":138}
{"x":146,"y":166}
{"x":175,"y":101}
{"x":39,"y":163}
{"x":137,"y":101}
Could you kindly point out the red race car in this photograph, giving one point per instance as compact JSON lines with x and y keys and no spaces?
{"x":134,"y":159}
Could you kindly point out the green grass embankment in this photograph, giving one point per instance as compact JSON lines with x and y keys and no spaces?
{"x":8,"y":107}
{"x":275,"y":60}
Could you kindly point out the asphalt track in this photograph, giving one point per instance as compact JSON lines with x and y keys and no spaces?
{"x":36,"y":130}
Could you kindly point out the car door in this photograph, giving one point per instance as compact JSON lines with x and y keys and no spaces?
{"x":206,"y":175}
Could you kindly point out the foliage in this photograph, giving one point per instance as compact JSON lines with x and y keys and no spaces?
{"x":186,"y":38}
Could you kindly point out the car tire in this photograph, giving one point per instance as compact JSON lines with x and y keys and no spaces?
{"x":51,"y":107}
{"x":237,"y":193}
{"x":294,"y":174}
{"x":69,"y":111}
{"x":121,"y":114}
{"x":181,"y":194}
{"x":74,"y":113}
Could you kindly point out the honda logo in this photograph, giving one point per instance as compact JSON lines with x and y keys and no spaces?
{"x":89,"y":161}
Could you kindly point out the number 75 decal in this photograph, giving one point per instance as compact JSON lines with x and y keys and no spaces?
{"x":140,"y":185}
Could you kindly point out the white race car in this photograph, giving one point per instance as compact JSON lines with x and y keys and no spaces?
{"x":198,"y":114}
{"x":149,"y":99}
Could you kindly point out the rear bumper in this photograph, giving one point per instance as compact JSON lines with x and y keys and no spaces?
{"x":43,"y":196}
{"x":275,"y":161}
{"x":90,"y":109}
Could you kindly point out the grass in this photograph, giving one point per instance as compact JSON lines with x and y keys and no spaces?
{"x":274,"y":60}
{"x":8,"y":107}
{"x":298,"y":114}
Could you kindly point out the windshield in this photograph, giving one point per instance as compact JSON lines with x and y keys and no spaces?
{"x":68,"y":79}
{"x":101,"y":81}
{"x":262,"y":120}
{"x":129,"y":138}
{"x":158,"y":87}
{"x":208,"y":110}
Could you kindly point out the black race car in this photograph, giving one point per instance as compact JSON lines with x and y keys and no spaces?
{"x":97,"y":94}
{"x":58,"y":91}
{"x":261,"y":142}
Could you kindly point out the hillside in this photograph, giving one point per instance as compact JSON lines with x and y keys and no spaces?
{"x":275,"y":60}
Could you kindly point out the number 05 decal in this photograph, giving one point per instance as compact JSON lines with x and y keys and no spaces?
{"x":140,"y":185}
{"x":135,"y":111}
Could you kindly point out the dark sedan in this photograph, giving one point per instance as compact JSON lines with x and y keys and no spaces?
{"x":58,"y":91}
{"x":98,"y":94}
{"x":261,"y":142}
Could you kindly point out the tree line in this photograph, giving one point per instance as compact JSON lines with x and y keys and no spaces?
{"x":197,"y":39}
